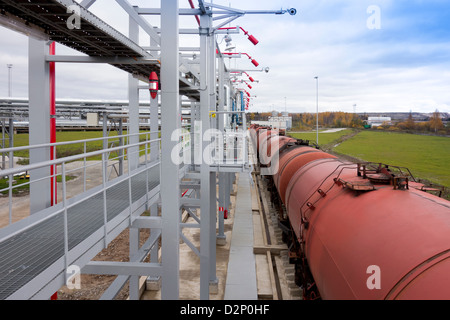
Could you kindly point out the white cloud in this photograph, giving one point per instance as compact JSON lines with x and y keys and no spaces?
{"x":390,"y":69}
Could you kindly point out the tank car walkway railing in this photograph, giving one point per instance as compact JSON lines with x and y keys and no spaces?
{"x":37,"y":251}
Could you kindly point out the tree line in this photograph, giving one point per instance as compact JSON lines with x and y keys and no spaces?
{"x":434,"y":125}
{"x":328,"y":119}
{"x":307,"y":121}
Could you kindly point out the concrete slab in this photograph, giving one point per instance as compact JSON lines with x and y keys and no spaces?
{"x":241,"y":275}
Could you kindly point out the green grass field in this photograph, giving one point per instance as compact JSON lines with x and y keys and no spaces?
{"x":324,"y":138}
{"x":72,"y":149}
{"x":427,"y":157}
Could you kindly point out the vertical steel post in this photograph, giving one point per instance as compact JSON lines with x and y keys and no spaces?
{"x":133,"y":152}
{"x":317,"y":110}
{"x":204,"y":168}
{"x":133,"y":104}
{"x":121,"y":153}
{"x":53,"y":192}
{"x":221,"y":238}
{"x":192,"y":134}
{"x":9,"y":66}
{"x":208,"y":178}
{"x":212,"y":211}
{"x":11,"y":165}
{"x":154,"y":118}
{"x":3,"y":122}
{"x":170,"y":121}
{"x":39,"y":113}
{"x":154,"y":152}
{"x":11,"y":141}
{"x":105,"y":130}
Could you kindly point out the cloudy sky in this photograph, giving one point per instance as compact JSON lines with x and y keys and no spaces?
{"x":372,"y":55}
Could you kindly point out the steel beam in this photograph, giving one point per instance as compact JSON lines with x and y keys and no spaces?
{"x":154,"y":152}
{"x":201,"y":4}
{"x":133,"y":153}
{"x":147,"y":222}
{"x":141,"y":21}
{"x":123,"y":268}
{"x":221,"y":238}
{"x":133,"y":104}
{"x":196,"y":31}
{"x":39,"y":115}
{"x":170,"y":122}
{"x":212,"y":82}
{"x":157,"y":12}
{"x":109,"y":60}
{"x":208,"y":178}
{"x":87,"y":3}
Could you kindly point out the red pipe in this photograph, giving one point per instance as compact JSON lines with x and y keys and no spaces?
{"x":250,"y":37}
{"x":193,"y":7}
{"x":255,"y":63}
{"x":251,"y":79}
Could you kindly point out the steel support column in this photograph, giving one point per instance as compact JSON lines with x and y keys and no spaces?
{"x":170,"y":121}
{"x":212,"y":83}
{"x":133,"y":153}
{"x":221,"y":238}
{"x":39,"y":114}
{"x":208,"y":179}
{"x":154,"y":150}
{"x":133,"y":107}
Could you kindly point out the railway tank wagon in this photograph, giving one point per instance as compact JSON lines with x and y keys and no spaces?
{"x":358,"y":231}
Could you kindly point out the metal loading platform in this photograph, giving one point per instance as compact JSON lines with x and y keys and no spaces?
{"x":29,"y":254}
{"x":241,"y":275}
{"x":248,"y":268}
{"x":258,"y":266}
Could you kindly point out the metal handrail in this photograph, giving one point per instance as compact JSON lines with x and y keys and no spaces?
{"x":48,"y":163}
{"x":62,"y":162}
{"x":55,"y":144}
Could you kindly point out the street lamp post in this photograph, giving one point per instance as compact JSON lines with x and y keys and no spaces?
{"x":317,"y":110}
{"x":9,"y":66}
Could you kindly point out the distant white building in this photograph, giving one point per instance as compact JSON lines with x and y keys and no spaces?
{"x":378,"y":121}
{"x":283,"y":122}
{"x":277,"y":122}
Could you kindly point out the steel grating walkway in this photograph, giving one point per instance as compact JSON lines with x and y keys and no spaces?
{"x":95,"y":38}
{"x":27,"y":254}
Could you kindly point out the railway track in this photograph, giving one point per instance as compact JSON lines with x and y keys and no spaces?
{"x":275,"y":275}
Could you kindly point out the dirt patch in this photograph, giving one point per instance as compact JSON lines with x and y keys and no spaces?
{"x":93,"y":286}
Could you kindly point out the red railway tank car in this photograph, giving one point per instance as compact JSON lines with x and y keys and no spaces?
{"x":359,"y":231}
